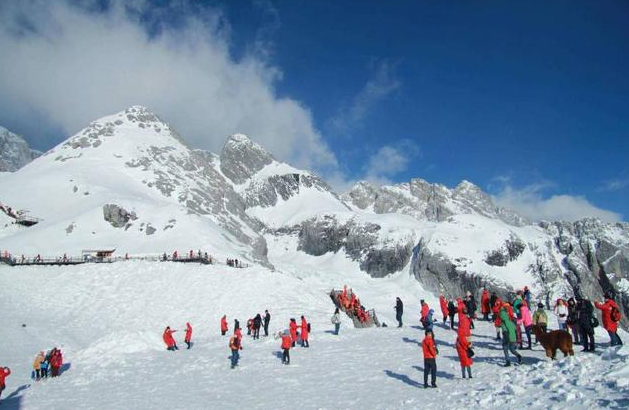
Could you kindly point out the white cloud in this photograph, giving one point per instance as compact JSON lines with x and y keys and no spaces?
{"x":64,"y":66}
{"x":377,"y":88}
{"x":614,"y":185}
{"x":531,"y":203}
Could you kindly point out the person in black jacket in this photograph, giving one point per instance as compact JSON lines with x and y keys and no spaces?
{"x":451,"y":313}
{"x":492,"y":302}
{"x":399,"y":310}
{"x":257,"y":324}
{"x":267,"y":319}
{"x":585,"y":312}
{"x":470,"y":307}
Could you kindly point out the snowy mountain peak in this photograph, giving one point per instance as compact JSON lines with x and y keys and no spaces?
{"x":14,"y":151}
{"x":241,"y":158}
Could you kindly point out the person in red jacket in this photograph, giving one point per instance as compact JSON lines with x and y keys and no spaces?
{"x":292,"y":328}
{"x":238,"y":334}
{"x":424,"y":313}
{"x":56,"y":361}
{"x":430,"y":359}
{"x":462,"y":348}
{"x":497,"y":322}
{"x":287,"y":342}
{"x":484,"y":305}
{"x":224,"y":326}
{"x":188,"y":334}
{"x":443,"y":303}
{"x":304,"y":332}
{"x":464,"y":331}
{"x":611,"y":317}
{"x":169,"y":340}
{"x":4,"y":373}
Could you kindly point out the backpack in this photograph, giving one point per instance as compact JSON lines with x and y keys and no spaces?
{"x":308,"y":327}
{"x":594,"y":321}
{"x":615,"y":314}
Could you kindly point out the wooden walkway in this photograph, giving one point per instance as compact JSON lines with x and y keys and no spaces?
{"x":371,"y":321}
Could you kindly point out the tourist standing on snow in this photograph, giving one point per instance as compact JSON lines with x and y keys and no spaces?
{"x":443,"y":303}
{"x":336,"y":321}
{"x":267,"y":320}
{"x":497,"y":321}
{"x":586,"y":310}
{"x":257,"y":324}
{"x":4,"y":373}
{"x":470,"y":306}
{"x":527,"y":322}
{"x":304,"y":332}
{"x":561,"y":310}
{"x":430,"y":359}
{"x":44,"y":366}
{"x":464,"y":349}
{"x":287,"y":342}
{"x":424,"y":313}
{"x":485,"y":307}
{"x":573,"y":317}
{"x":39,"y":359}
{"x":508,"y":334}
{"x":540,"y":318}
{"x":235,"y":347}
{"x":56,"y":361}
{"x":399,"y":310}
{"x":169,"y":340}
{"x":527,"y":296}
{"x":429,"y":321}
{"x":451,"y":313}
{"x":238,"y":333}
{"x":224,"y":327}
{"x":611,"y":317}
{"x":292,"y":328}
{"x":188,"y":334}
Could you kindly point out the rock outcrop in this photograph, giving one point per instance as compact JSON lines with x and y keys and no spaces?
{"x":14,"y":151}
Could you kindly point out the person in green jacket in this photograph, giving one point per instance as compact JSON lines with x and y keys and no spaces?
{"x":508,"y":335}
{"x":540,"y":319}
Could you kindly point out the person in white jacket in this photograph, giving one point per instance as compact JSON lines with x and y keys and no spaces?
{"x":561,"y":310}
{"x":336,"y":320}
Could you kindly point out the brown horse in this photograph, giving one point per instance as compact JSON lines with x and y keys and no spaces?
{"x":557,"y":339}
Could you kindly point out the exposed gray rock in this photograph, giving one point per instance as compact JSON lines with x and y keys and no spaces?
{"x":512,"y":248}
{"x":150,"y":230}
{"x":14,"y":151}
{"x":242,"y":158}
{"x":117,"y":216}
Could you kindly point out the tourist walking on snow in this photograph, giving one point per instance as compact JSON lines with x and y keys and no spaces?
{"x":336,"y":321}
{"x":430,"y":359}
{"x":508,"y":335}
{"x":464,"y":350}
{"x":497,"y":321}
{"x":429,"y":321}
{"x":4,"y":373}
{"x":188,"y":334}
{"x":424,"y":313}
{"x":443,"y":303}
{"x":586,"y":311}
{"x":304,"y":332}
{"x":287,"y":342}
{"x":235,"y":347}
{"x":56,"y":361}
{"x":611,"y":317}
{"x":267,"y":320}
{"x":224,"y":327}
{"x":561,"y":310}
{"x":399,"y":310}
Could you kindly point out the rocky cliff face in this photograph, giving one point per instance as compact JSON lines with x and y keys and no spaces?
{"x":14,"y":151}
{"x":428,"y":202}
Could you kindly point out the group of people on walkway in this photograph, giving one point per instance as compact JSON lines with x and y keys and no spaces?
{"x":47,"y":363}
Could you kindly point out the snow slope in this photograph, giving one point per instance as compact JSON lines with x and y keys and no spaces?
{"x":108,"y":320}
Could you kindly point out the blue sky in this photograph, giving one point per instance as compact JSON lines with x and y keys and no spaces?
{"x":529,"y":100}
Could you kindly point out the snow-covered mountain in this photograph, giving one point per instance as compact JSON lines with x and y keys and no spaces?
{"x":14,"y":151}
{"x":129,"y":181}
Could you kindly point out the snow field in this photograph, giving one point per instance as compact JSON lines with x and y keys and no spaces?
{"x":108,"y":320}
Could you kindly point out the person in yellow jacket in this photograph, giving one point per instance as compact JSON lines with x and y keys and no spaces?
{"x":37,"y":365}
